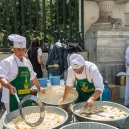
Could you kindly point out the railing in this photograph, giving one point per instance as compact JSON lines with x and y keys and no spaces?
{"x":48,"y":20}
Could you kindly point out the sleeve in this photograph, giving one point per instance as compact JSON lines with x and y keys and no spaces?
{"x":96,"y":78}
{"x":127,"y":58}
{"x":70,"y":78}
{"x":5,"y":67}
{"x":39,"y":51}
{"x":32,"y":73}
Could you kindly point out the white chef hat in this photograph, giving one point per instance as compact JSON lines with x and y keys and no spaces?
{"x":76,"y":61}
{"x":18,"y":41}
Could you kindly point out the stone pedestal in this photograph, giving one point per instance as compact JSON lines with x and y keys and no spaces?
{"x":107,"y":50}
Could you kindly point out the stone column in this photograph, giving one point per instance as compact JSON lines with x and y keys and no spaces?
{"x":105,"y":10}
{"x":91,"y":14}
{"x":127,"y":17}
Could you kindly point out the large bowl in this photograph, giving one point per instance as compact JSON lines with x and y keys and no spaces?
{"x":54,"y":93}
{"x":88,"y":125}
{"x":49,"y":109}
{"x":115,"y":122}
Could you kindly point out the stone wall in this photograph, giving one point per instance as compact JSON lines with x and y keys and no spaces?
{"x":106,"y":45}
{"x":45,"y":56}
{"x":92,"y":11}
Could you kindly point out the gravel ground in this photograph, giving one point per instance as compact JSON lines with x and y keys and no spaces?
{"x":71,"y":119}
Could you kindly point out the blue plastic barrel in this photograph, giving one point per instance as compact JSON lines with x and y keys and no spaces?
{"x":55,"y":80}
{"x":106,"y":96}
{"x":107,"y":93}
{"x":42,"y":82}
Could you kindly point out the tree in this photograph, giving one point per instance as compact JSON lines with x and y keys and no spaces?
{"x":48,"y":20}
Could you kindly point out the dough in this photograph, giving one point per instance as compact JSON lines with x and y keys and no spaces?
{"x":50,"y":120}
{"x":101,"y":112}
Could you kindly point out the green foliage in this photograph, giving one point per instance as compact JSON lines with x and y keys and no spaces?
{"x":30,"y":21}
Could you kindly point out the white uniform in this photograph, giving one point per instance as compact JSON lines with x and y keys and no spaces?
{"x":126,"y":103}
{"x":91,"y":72}
{"x":9,"y":70}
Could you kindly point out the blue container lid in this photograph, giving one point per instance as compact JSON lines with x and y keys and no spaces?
{"x":42,"y":78}
{"x":55,"y":77}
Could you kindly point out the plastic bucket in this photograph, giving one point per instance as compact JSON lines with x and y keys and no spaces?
{"x":55,"y":80}
{"x":42,"y":82}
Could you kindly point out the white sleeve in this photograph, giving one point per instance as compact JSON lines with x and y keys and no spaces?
{"x":96,"y":78}
{"x":32,"y":73}
{"x":70,"y":78}
{"x":39,"y":51}
{"x":5,"y":67}
{"x":127,"y":58}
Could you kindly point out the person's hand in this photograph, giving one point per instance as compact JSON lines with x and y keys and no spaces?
{"x":60,"y":101}
{"x":0,"y":88}
{"x":42,"y":90}
{"x":43,"y":65}
{"x":89,"y":103}
{"x":12,"y":89}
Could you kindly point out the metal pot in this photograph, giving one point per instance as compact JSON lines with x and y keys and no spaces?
{"x":87,"y":125}
{"x":54,"y":93}
{"x":50,"y":109}
{"x":34,"y":90}
{"x":114,"y":122}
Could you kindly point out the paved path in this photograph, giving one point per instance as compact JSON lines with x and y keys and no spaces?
{"x":70,"y":119}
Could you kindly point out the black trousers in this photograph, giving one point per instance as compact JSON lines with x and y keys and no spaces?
{"x":39,"y":73}
{"x":0,"y":98}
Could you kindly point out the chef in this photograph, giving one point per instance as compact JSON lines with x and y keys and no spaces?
{"x":15,"y":74}
{"x":89,"y":82}
{"x":126,"y":103}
